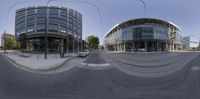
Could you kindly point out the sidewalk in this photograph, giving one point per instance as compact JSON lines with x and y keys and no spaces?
{"x":37,"y":61}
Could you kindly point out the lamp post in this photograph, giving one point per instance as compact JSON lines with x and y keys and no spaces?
{"x":46,"y":30}
{"x":144,"y":4}
{"x":4,"y":41}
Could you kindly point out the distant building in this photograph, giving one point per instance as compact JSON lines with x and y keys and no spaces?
{"x":190,"y":43}
{"x":5,"y":36}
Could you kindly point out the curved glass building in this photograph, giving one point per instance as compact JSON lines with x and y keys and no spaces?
{"x":63,"y":26}
{"x":144,"y":34}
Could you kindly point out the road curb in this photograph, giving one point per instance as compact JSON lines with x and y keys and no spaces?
{"x":16,"y":64}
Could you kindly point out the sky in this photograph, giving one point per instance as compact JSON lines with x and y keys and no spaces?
{"x":183,"y":13}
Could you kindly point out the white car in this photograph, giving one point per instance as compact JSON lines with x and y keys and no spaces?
{"x":83,"y":53}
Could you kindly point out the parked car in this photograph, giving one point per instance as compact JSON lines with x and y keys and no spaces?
{"x":87,"y":52}
{"x":84,"y":53}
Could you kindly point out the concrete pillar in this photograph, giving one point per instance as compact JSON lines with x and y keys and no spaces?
{"x":157,"y":48}
{"x":167,"y":47}
{"x":78,"y":46}
{"x":62,"y":48}
{"x":124,"y":47}
{"x":174,"y":47}
{"x":67,"y":46}
{"x":73,"y":45}
{"x":133,"y":46}
{"x":145,"y":45}
{"x":81,"y":45}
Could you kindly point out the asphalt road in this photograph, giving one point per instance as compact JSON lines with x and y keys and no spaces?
{"x":84,"y":83}
{"x":95,"y":58}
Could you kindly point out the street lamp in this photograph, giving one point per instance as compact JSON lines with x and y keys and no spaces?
{"x":144,"y":4}
{"x":4,"y":41}
{"x":46,"y":29}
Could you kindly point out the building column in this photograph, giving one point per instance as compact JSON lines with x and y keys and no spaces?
{"x":172,"y":47}
{"x":157,"y":48}
{"x":116,"y":47}
{"x":73,"y":46}
{"x":81,"y":45}
{"x":133,"y":46}
{"x":78,"y":46}
{"x":145,"y":45}
{"x":166,"y":47}
{"x":62,"y":48}
{"x":124,"y":47}
{"x":67,"y":45}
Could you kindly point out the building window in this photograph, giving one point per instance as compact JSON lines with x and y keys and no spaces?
{"x":70,"y":32}
{"x":63,"y":17}
{"x":30,"y":28}
{"x":41,"y":20}
{"x":20,"y":13}
{"x":31,"y":16}
{"x":42,"y":10}
{"x":63,"y":22}
{"x":30,"y":22}
{"x":70,"y":12}
{"x":53,"y":15}
{"x":63,"y":29}
{"x":53,"y":27}
{"x":18,"y":21}
{"x":53,"y":11}
{"x":70,"y":20}
{"x":41,"y":15}
{"x":20,"y":31}
{"x":63,"y":13}
{"x":31,"y":12}
{"x":40,"y":27}
{"x":20,"y":25}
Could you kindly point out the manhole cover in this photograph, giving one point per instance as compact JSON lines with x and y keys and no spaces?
{"x":195,"y":68}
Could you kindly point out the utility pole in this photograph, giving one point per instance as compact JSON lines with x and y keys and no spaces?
{"x":4,"y":37}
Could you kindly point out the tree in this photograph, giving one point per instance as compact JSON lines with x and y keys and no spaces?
{"x":10,"y":43}
{"x":92,"y":41}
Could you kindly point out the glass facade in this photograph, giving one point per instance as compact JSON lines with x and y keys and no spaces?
{"x":59,"y":20}
{"x":143,"y":33}
{"x":62,"y":23}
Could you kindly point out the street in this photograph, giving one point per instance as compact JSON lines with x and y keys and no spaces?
{"x":107,"y":83}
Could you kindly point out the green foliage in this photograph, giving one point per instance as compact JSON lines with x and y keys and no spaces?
{"x":92,"y":41}
{"x":10,"y":43}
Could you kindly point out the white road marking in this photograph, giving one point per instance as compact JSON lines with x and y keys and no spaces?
{"x":95,"y":65}
{"x":195,"y":68}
